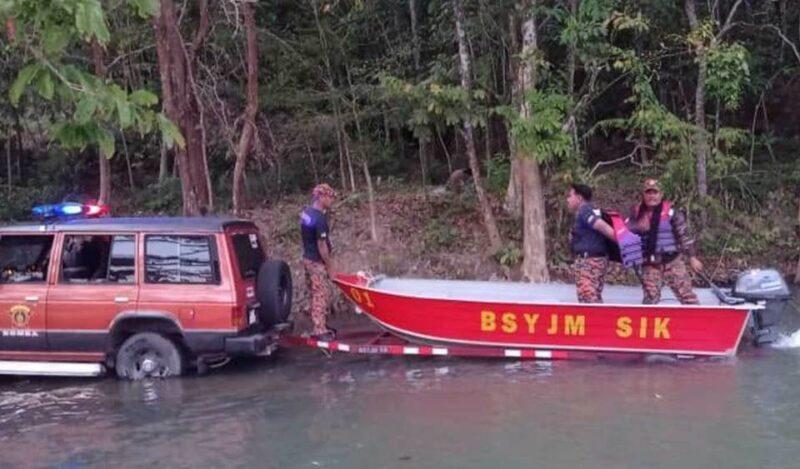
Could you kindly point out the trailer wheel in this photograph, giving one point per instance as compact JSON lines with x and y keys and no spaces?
{"x":148,"y":355}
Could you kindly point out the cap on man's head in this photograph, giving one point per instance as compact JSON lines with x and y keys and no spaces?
{"x":651,"y":185}
{"x":322,"y":190}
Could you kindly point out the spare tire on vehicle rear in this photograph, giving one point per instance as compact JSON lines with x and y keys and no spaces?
{"x":274,"y":292}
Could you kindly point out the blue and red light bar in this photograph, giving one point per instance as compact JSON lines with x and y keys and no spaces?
{"x":69,"y":210}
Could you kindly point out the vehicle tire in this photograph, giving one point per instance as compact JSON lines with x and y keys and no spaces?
{"x":274,"y":292}
{"x":148,"y":355}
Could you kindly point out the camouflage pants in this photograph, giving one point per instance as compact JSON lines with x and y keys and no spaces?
{"x":675,"y":275}
{"x":319,"y":289}
{"x":590,"y":275}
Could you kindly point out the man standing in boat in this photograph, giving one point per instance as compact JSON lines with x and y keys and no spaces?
{"x":588,"y":244}
{"x":318,"y":257}
{"x":666,"y":244}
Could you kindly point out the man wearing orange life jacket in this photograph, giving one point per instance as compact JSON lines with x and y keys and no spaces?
{"x":666,"y":245}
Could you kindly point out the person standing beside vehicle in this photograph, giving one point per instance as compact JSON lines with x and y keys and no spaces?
{"x":666,"y":244}
{"x":588,"y":244}
{"x":318,"y":257}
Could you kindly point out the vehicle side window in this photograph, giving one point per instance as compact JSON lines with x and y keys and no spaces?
{"x":121,"y":267}
{"x":25,"y":258}
{"x":98,"y":259}
{"x":180,"y":259}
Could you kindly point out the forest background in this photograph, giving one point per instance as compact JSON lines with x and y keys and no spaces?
{"x":218,"y":106}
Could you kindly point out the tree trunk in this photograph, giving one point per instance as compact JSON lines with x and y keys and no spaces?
{"x":250,"y":111}
{"x":344,"y":147}
{"x":341,"y":136}
{"x":387,"y":132}
{"x":163,"y":165}
{"x":104,"y":163}
{"x":9,"y":174}
{"x":534,"y":264}
{"x":572,"y":59}
{"x":313,"y":161}
{"x":373,"y":220}
{"x":18,"y":131}
{"x":445,"y":150}
{"x":797,"y":271}
{"x":513,"y":202}
{"x":495,"y":241}
{"x":128,"y":164}
{"x":700,"y":142}
{"x":182,"y":106}
{"x":340,"y":147}
{"x":412,"y":8}
{"x":423,"y":162}
{"x":534,"y":243}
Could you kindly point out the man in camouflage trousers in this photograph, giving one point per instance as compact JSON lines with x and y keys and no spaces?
{"x":318,"y":257}
{"x":588,"y":244}
{"x":666,"y":246}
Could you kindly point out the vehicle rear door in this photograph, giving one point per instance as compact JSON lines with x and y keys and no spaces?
{"x":25,"y":260}
{"x":96,"y":281}
{"x":248,"y":255}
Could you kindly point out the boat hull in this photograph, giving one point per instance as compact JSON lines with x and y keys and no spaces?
{"x":668,"y":329}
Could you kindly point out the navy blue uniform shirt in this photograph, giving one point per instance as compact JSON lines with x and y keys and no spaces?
{"x":313,"y":227}
{"x":585,"y":239}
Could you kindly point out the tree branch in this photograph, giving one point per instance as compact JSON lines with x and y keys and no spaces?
{"x":785,"y":39}
{"x":630,"y":156}
{"x":202,"y":28}
{"x":729,"y":20}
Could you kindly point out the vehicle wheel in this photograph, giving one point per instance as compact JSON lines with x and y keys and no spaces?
{"x":148,"y":355}
{"x":274,"y":291}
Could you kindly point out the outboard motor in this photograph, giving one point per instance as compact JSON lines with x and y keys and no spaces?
{"x":768,"y":288}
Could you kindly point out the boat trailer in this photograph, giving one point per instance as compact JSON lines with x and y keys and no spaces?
{"x":372,"y":342}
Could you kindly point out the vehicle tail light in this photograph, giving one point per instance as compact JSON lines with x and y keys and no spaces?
{"x":239,"y":317}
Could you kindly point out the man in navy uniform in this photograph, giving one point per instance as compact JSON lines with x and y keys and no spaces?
{"x":588,"y":244}
{"x":318,"y":257}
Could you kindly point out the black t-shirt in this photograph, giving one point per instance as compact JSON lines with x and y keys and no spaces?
{"x":585,"y":239}
{"x":313,"y":227}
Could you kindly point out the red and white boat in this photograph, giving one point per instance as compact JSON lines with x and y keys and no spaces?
{"x":530,"y":317}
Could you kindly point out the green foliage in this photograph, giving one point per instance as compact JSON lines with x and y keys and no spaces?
{"x":15,"y":204}
{"x":649,"y":118}
{"x":334,"y":72}
{"x":728,"y":73}
{"x":543,"y":135}
{"x":24,"y":78}
{"x":498,"y":171}
{"x":439,"y":235}
{"x":90,"y":20}
{"x":45,"y":29}
{"x":145,"y":8}
{"x":723,"y":168}
{"x":161,"y":198}
{"x":430,"y":103}
{"x":508,"y":256}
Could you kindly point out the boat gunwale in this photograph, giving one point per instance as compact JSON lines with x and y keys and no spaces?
{"x":368,"y":286}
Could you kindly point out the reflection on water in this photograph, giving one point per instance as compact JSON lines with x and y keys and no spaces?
{"x":303,"y":410}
